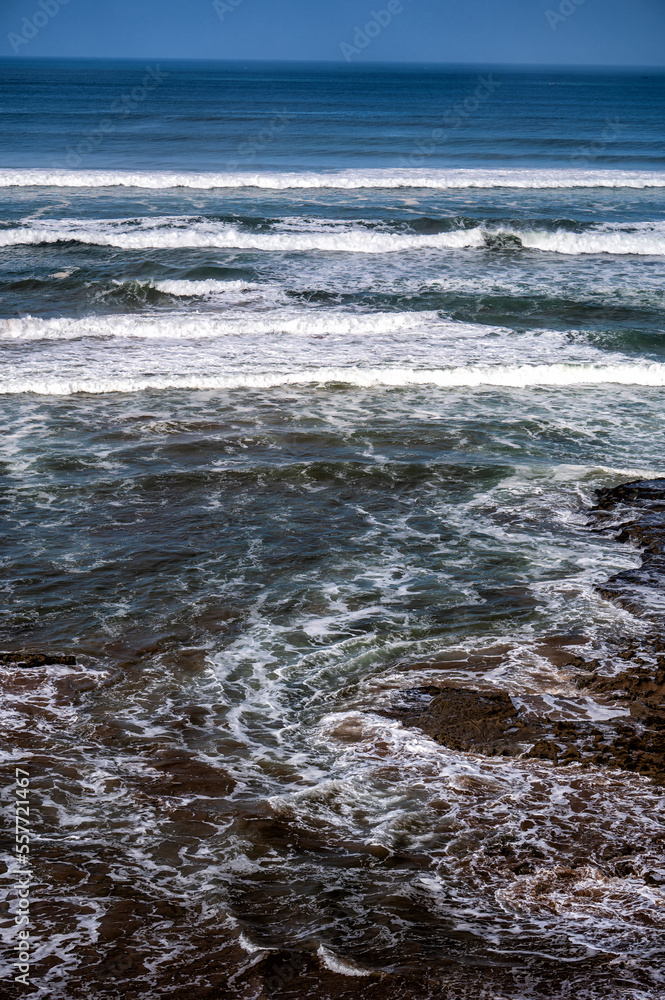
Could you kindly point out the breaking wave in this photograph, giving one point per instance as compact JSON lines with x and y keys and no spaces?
{"x":439,"y":179}
{"x":507,"y":376}
{"x":208,"y":234}
{"x":187,"y":288}
{"x":188,"y":326}
{"x":644,"y":238}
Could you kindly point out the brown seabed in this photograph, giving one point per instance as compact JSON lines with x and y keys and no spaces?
{"x":206,"y":961}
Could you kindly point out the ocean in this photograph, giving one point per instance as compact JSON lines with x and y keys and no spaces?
{"x":309,"y":377}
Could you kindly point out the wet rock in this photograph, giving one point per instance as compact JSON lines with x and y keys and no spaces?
{"x":636,"y":513}
{"x":488,"y":723}
{"x":28,"y":658}
{"x":463,"y":719}
{"x":502,"y":241}
{"x":182,"y":774}
{"x":545,"y":750}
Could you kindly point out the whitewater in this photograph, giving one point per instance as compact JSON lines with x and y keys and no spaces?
{"x":516,"y":376}
{"x":437,"y":179}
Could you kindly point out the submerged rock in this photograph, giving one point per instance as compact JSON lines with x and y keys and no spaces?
{"x":636,"y":511}
{"x":463,"y":719}
{"x":487,"y":721}
{"x":25,"y":658}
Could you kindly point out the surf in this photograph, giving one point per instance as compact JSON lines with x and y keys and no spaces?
{"x":350,"y":180}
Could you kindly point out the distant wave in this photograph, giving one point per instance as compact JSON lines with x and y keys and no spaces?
{"x":502,"y":376}
{"x":645,"y":238}
{"x":439,"y":179}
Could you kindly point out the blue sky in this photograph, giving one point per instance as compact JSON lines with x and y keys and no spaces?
{"x":559,"y":32}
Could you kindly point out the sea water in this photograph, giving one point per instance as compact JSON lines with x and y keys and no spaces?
{"x":308,"y":378}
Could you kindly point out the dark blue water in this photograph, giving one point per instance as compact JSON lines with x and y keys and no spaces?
{"x":194,"y":116}
{"x":308,"y":378}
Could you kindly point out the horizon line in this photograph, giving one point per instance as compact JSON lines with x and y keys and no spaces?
{"x":338,"y":63}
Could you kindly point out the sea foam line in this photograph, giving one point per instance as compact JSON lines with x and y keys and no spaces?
{"x":501,"y":376}
{"x":641,"y":238}
{"x":197,"y":326}
{"x":440,"y":179}
{"x":231,"y":238}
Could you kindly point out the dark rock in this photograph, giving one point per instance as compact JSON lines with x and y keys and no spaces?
{"x":487,"y":722}
{"x":182,"y":774}
{"x":25,"y":658}
{"x":463,"y":719}
{"x":640,"y":507}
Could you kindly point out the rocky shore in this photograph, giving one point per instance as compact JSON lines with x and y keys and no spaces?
{"x":136,"y":920}
{"x":488,"y":722}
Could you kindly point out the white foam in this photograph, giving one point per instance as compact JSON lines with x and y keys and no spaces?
{"x":440,"y":179}
{"x":224,"y":236}
{"x":644,"y":238}
{"x":252,"y":948}
{"x":503,"y":376}
{"x":340,"y":965}
{"x":227,"y":293}
{"x":193,"y":289}
{"x":192,"y":326}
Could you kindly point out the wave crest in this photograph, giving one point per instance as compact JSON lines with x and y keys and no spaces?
{"x":643,"y":239}
{"x":348,"y":180}
{"x":184,"y":326}
{"x":499,"y":376}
